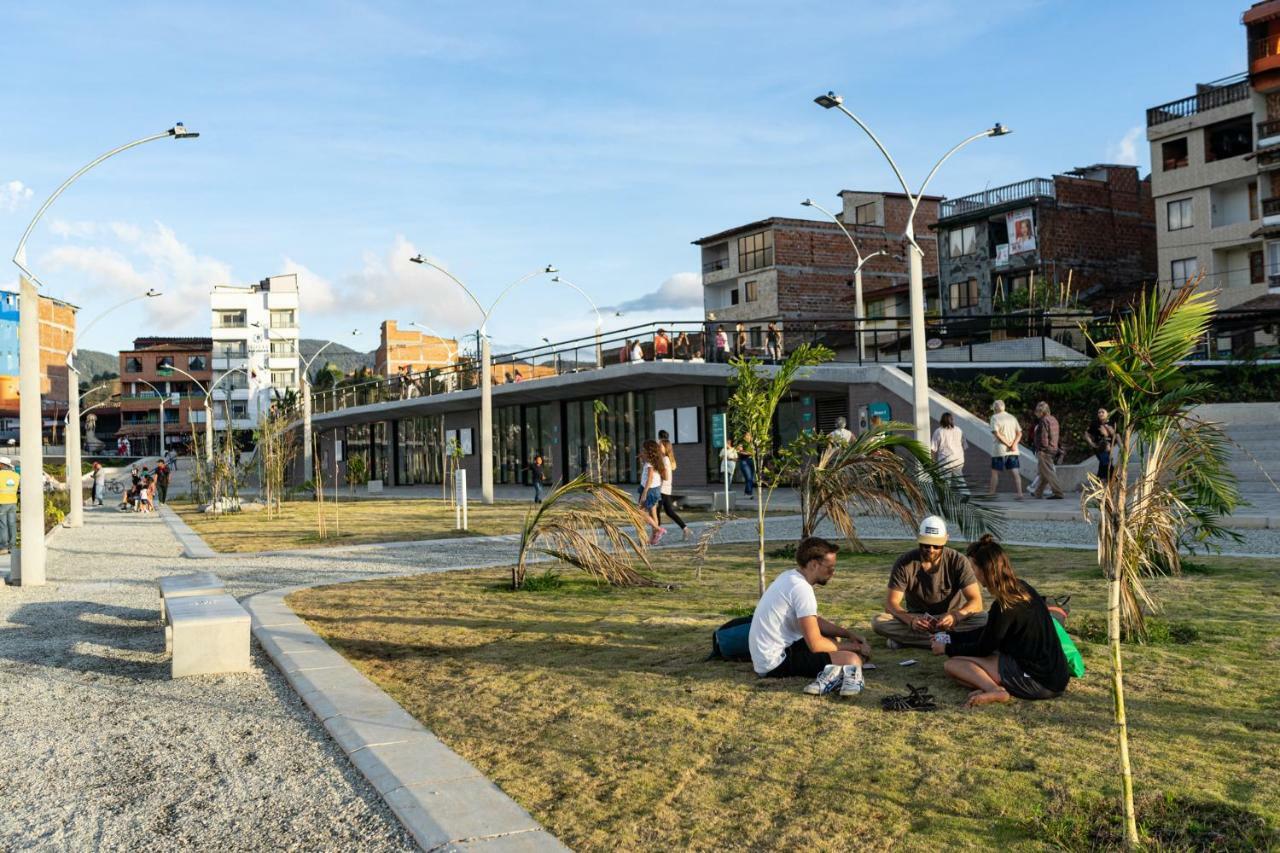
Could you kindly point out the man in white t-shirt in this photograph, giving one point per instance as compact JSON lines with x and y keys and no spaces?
{"x":841,"y":433}
{"x":1007,"y":432}
{"x":788,"y":638}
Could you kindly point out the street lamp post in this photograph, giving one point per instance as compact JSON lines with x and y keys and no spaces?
{"x":599,"y":321}
{"x":857,"y":276}
{"x":305,"y":387}
{"x":451,"y":353}
{"x":163,"y":400}
{"x":75,"y":495}
{"x":486,"y":367}
{"x":208,"y":408}
{"x":29,"y":415}
{"x":915,"y":256}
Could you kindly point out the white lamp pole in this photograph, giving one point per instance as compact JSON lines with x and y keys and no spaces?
{"x":30,"y":428}
{"x":208,"y":409}
{"x":915,"y":256}
{"x":304,"y":383}
{"x":75,"y":493}
{"x":857,"y":276}
{"x":163,"y":400}
{"x":451,"y":352}
{"x":486,"y":380}
{"x":599,"y":321}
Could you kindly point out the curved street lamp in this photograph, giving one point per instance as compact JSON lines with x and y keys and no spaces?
{"x":599,"y":321}
{"x":163,"y":400}
{"x":859,"y":313}
{"x":486,"y":366}
{"x":32,"y":572}
{"x":75,"y":511}
{"x":919,"y":361}
{"x":305,"y":389}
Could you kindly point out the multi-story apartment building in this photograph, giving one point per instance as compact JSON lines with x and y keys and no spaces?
{"x":410,"y":350}
{"x":146,"y":379}
{"x":787,"y":270}
{"x":1092,"y":228}
{"x":57,"y":335}
{"x":255,"y":340}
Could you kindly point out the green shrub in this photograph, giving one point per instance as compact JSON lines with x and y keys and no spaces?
{"x":548,"y":581}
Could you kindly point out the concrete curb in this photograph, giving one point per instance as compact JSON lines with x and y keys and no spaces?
{"x":193,"y":547}
{"x":441,"y":799}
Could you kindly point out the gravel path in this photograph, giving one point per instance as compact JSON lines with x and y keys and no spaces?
{"x":102,"y":750}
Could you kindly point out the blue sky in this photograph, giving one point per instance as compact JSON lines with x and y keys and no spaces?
{"x":340,"y":138}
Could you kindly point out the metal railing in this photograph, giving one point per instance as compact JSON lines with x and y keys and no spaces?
{"x":1271,"y":206}
{"x":1030,"y":188}
{"x":715,"y":265}
{"x":1219,"y":93}
{"x":1270,"y":127}
{"x":1264,"y":47}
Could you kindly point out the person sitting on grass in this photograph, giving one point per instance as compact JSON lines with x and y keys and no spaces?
{"x":788,"y":638}
{"x":1018,"y":652}
{"x":931,"y":588}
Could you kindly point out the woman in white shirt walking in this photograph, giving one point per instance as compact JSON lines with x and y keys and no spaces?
{"x":948,"y":446}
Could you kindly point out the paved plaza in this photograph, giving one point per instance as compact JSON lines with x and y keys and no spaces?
{"x":104,"y":750}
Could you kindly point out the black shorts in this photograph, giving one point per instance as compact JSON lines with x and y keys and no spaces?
{"x":800,"y":662}
{"x":1019,"y":684}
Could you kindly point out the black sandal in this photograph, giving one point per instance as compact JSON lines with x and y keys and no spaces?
{"x":919,"y":699}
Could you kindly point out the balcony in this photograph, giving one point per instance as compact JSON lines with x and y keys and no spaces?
{"x":715,"y":265}
{"x":1271,"y":211}
{"x":969,"y":204}
{"x":1264,"y":54}
{"x":1219,"y":93}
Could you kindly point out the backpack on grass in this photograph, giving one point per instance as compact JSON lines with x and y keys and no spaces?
{"x":1075,"y":663}
{"x":729,"y":641}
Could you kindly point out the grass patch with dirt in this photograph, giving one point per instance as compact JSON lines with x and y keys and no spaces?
{"x":360,"y":522}
{"x":594,"y":709}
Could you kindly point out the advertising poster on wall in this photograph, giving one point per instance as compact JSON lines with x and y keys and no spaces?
{"x":8,"y":351}
{"x":1022,"y":231}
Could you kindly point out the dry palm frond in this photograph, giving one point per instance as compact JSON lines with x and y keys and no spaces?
{"x":585,"y":524}
{"x":707,"y":538}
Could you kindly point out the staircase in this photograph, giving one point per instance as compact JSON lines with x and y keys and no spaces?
{"x":1255,"y":428}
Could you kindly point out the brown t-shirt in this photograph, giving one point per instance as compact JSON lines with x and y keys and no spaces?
{"x":933,"y":592}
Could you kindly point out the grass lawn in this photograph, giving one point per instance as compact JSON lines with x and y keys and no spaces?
{"x":594,"y":709}
{"x":359,"y":522}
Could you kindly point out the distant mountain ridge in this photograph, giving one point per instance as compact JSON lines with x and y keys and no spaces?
{"x":346,"y":358}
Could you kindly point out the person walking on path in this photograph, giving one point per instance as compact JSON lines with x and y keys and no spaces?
{"x":668,"y":478}
{"x":728,"y":460}
{"x":162,"y":481}
{"x":747,"y":465}
{"x":948,"y":446}
{"x":1007,"y":432}
{"x":99,"y":483}
{"x":536,"y":477}
{"x":1102,"y":438}
{"x":10,"y":481}
{"x":931,"y":588}
{"x":1045,"y":441}
{"x":651,"y":487}
{"x":773,"y":343}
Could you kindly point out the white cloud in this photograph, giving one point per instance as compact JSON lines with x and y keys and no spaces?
{"x":315,"y":292}
{"x":1126,"y":150}
{"x":13,"y":195}
{"x":130,"y":259}
{"x":681,"y":291}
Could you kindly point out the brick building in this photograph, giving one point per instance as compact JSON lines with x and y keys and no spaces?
{"x":1093,"y":227}
{"x":800,"y":271}
{"x":144,"y":379}
{"x":401,"y":349}
{"x":57,"y":335}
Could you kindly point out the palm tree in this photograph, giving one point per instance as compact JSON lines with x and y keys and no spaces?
{"x":585,"y":523}
{"x":884,"y":471}
{"x":752,"y":407}
{"x":1171,"y":474}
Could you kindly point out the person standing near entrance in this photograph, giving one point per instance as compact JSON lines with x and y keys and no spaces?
{"x":535,"y":476}
{"x":747,"y":465}
{"x":10,"y":480}
{"x":668,"y":478}
{"x":162,"y":481}
{"x":99,"y":483}
{"x":1046,"y":438}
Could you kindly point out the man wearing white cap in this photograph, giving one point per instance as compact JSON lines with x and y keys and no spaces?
{"x":932,"y":589}
{"x":9,"y":480}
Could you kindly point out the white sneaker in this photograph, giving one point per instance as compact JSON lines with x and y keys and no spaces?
{"x":892,"y":644}
{"x":851,"y":682}
{"x":827,"y":681}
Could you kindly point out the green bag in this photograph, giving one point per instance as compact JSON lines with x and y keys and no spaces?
{"x":1075,"y":662}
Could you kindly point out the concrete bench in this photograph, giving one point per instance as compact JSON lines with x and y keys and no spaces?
{"x":206,"y":634}
{"x":181,"y":586}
